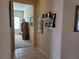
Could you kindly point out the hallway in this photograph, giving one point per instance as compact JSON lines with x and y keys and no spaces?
{"x":29,"y":53}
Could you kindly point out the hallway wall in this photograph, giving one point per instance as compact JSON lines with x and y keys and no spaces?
{"x":50,"y":41}
{"x":57,"y":7}
{"x":45,"y":39}
{"x":64,"y":41}
{"x":5,"y":36}
{"x":70,"y":39}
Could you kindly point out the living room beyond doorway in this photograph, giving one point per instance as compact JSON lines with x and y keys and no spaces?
{"x":23,"y":25}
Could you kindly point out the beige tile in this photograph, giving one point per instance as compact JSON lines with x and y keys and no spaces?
{"x":29,"y":53}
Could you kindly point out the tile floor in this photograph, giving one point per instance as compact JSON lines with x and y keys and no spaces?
{"x":20,"y":43}
{"x":29,"y":53}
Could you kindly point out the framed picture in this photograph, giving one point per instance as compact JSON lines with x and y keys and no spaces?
{"x":40,"y":24}
{"x":10,"y":13}
{"x":53,"y":20}
{"x":47,"y":22}
{"x":50,"y":20}
{"x":31,"y":21}
{"x":76,"y":24}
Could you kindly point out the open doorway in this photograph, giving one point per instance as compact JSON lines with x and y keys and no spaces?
{"x":23,"y":25}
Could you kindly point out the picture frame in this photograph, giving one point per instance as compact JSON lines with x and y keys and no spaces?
{"x":47,"y":22}
{"x":53,"y":20}
{"x":40,"y":24}
{"x":10,"y":13}
{"x":50,"y":20}
{"x":32,"y":21}
{"x":76,"y":27}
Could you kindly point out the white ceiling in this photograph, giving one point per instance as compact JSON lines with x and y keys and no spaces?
{"x":19,"y":6}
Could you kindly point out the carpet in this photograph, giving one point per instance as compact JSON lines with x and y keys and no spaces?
{"x":19,"y":43}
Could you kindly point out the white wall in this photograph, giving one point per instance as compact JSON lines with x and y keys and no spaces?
{"x":19,"y":14}
{"x":57,"y":6}
{"x":45,"y":39}
{"x":5,"y":40}
{"x":70,"y":39}
{"x":46,"y":42}
{"x":65,"y":41}
{"x":50,"y":41}
{"x":28,"y":12}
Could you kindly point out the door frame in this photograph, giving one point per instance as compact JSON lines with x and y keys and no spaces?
{"x":11,"y":15}
{"x":35,"y":43}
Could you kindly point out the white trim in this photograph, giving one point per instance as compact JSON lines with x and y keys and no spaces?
{"x":44,"y":53}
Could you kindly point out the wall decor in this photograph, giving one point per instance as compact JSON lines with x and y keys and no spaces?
{"x":43,"y":15}
{"x":50,"y":20}
{"x":31,"y":21}
{"x":10,"y":13}
{"x":46,"y":20}
{"x":76,"y":24}
{"x":53,"y":20}
{"x":40,"y":24}
{"x":49,"y":14}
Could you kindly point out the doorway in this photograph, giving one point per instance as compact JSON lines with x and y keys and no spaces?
{"x":23,"y":25}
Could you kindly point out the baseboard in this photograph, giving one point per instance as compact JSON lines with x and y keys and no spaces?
{"x":44,"y":53}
